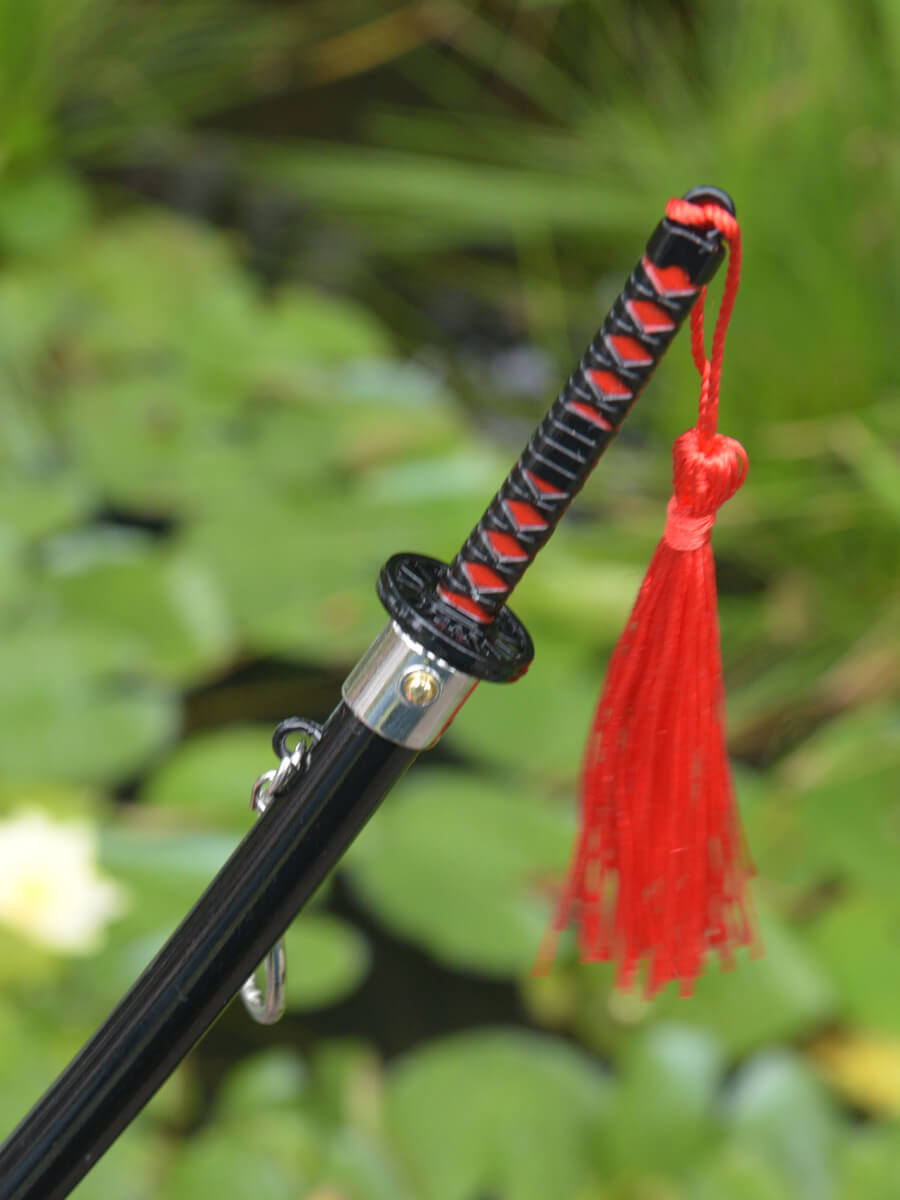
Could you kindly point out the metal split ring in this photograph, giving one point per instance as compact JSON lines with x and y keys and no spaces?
{"x":267,"y":1006}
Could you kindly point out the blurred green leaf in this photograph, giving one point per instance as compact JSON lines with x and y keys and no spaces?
{"x":266,"y":1108}
{"x":37,"y":502}
{"x":778,"y":1106}
{"x":304,"y":326}
{"x":39,"y":213}
{"x":205,"y":783}
{"x":857,"y":940}
{"x":340,"y":1100}
{"x":462,"y":201}
{"x":460,"y":864}
{"x":348,"y":1084}
{"x":360,"y":1169}
{"x":273,"y":1078}
{"x":739,"y":1172}
{"x":870,"y":1164}
{"x":664,"y":1115}
{"x":326,"y":959}
{"x":72,"y":708}
{"x":497,"y":1112}
{"x":167,"y":603}
{"x":548,"y":711}
{"x":215,"y":1162}
{"x":319,"y":602}
{"x":856,"y":756}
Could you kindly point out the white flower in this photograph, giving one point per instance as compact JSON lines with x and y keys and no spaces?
{"x":50,"y":889}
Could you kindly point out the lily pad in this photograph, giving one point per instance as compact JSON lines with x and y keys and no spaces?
{"x":855,"y":762}
{"x":219,"y":1162}
{"x":858,"y":941}
{"x":205,"y":783}
{"x":110,"y":579}
{"x":537,"y":724}
{"x":497,"y":1113}
{"x":71,"y":706}
{"x":274,"y":1078}
{"x":665,"y":1112}
{"x":460,"y":864}
{"x":778,"y":1106}
{"x":326,"y":959}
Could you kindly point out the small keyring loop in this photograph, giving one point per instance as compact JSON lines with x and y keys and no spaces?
{"x":267,"y":1007}
{"x":311,"y":730}
{"x":260,"y":793}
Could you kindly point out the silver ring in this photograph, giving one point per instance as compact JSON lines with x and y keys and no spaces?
{"x":267,"y":1007}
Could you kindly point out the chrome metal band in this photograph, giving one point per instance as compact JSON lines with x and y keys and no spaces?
{"x":403,"y":693}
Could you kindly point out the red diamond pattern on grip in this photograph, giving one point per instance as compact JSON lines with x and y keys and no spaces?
{"x":610,"y":386}
{"x":523,"y":516}
{"x":628,"y":350}
{"x":649,"y":317}
{"x":464,"y":604}
{"x":669,"y":281}
{"x":505,"y":546}
{"x":483,"y":579}
{"x":588,"y":413}
{"x":543,"y":488}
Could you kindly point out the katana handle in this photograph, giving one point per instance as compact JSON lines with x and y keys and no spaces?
{"x":586,"y":415}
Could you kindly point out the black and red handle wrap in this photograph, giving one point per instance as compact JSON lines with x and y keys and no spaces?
{"x":586,"y":415}
{"x":458,"y":612}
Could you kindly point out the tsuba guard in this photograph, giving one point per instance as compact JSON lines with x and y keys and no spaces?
{"x":499,"y":652}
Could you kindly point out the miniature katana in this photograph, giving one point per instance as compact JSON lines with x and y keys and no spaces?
{"x":449,"y":628}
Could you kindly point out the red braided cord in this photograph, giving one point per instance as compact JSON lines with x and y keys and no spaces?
{"x":704,"y":216}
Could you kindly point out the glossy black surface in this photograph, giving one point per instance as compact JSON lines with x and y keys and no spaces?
{"x":248,"y":905}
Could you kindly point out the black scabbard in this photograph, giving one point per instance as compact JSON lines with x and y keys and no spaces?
{"x":258,"y":891}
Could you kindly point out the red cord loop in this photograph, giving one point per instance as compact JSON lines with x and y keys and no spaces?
{"x":710,"y":216}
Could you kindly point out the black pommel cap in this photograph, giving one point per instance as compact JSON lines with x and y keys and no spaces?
{"x":699,"y":252}
{"x":710,"y":195}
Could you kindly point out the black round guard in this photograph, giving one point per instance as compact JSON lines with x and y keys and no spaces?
{"x":498,"y":652}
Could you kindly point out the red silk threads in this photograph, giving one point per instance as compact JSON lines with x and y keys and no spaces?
{"x":658,"y":875}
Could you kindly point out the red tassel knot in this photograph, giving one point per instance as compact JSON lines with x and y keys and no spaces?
{"x":658,"y":872}
{"x":703,"y":480}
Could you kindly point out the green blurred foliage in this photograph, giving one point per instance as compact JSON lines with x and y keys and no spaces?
{"x":209,"y":443}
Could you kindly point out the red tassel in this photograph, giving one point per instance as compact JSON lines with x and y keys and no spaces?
{"x":659,"y":869}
